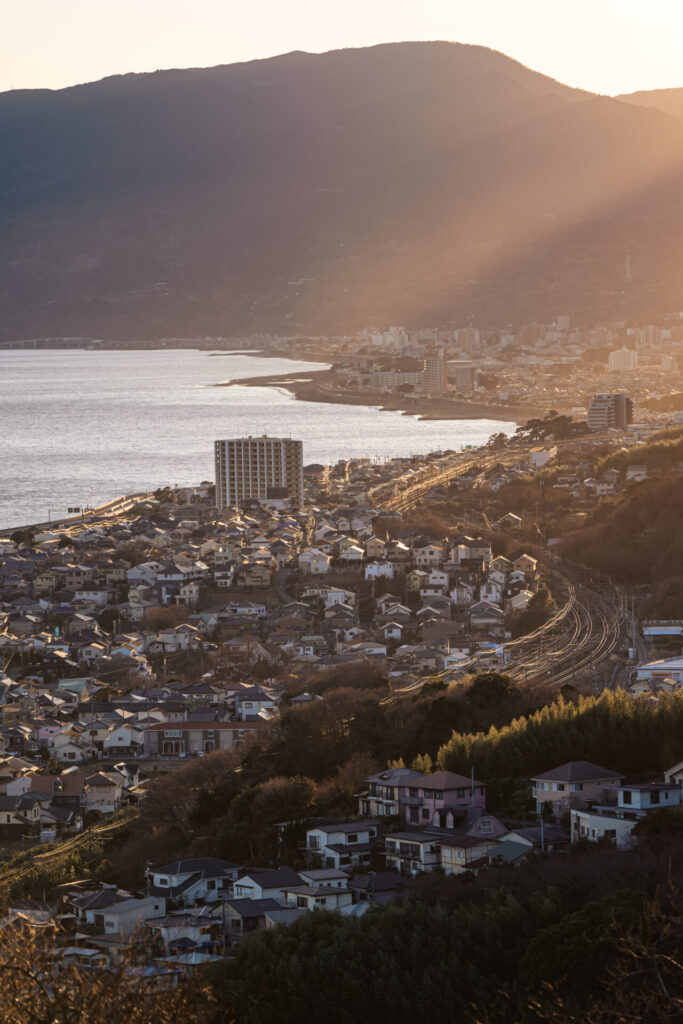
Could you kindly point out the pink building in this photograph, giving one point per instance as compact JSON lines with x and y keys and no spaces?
{"x":419,"y":799}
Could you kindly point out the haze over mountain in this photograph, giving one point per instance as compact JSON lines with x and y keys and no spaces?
{"x":670,"y":101}
{"x":416,"y":183}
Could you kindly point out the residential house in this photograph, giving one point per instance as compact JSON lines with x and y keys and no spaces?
{"x":465,"y":853}
{"x":246,"y":915}
{"x":412,"y":853}
{"x":314,"y":562}
{"x":193,"y":880}
{"x":574,"y":784}
{"x":379,"y":570}
{"x":318,"y":897}
{"x":180,"y":739}
{"x":127,"y":916}
{"x":104,"y":792}
{"x":342,"y":844}
{"x":180,"y":932}
{"x":526,"y":564}
{"x":266,"y":883}
{"x":20,"y":816}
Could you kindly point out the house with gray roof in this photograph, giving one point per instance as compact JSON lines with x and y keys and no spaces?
{"x":574,"y":784}
{"x":197,"y":878}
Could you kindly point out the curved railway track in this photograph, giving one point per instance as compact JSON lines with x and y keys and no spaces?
{"x":83,"y":839}
{"x":586,"y":629}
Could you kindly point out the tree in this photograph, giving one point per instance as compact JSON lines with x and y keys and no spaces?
{"x":35,"y":988}
{"x":164,"y":617}
{"x":171,"y":799}
{"x":20,"y":537}
{"x":489,"y":688}
{"x":338,"y":793}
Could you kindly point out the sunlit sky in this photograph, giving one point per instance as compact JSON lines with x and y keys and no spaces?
{"x":607,"y":46}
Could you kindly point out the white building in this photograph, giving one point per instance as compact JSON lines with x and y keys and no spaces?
{"x":616,"y":822}
{"x":622,"y":360}
{"x":539,"y":457}
{"x":259,"y":468}
{"x":667,"y":668}
{"x":342,"y":844}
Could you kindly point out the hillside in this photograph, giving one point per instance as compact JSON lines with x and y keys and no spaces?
{"x":408,"y":183}
{"x":669,"y":101}
{"x":636,"y":538}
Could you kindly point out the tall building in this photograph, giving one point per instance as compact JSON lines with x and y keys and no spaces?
{"x":264,"y":469}
{"x":610,"y":411}
{"x":461,"y":372}
{"x":623,"y":360}
{"x":434,"y":375}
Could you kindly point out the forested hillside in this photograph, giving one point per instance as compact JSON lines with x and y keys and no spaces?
{"x":417,"y":183}
{"x":637,"y":539}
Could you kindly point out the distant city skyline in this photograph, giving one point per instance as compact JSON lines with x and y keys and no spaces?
{"x":611,"y":46}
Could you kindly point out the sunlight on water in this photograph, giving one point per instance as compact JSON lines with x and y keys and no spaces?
{"x":81,"y":427}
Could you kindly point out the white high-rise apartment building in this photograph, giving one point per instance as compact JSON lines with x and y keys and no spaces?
{"x":264,"y":469}
{"x":434,"y":375}
{"x":623,"y":360}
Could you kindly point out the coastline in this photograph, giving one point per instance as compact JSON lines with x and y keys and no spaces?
{"x":316,"y":386}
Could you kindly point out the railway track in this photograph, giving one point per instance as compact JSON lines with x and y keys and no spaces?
{"x":90,"y":836}
{"x":586,"y":629}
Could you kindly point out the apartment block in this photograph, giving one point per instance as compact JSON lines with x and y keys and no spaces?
{"x":263,"y":469}
{"x":610,"y":411}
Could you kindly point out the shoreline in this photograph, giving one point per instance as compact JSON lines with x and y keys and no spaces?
{"x":316,"y":386}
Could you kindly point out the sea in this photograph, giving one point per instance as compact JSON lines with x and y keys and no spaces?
{"x":80,"y":427}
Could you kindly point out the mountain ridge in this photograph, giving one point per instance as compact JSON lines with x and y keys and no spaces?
{"x":418,"y":183}
{"x":669,"y":101}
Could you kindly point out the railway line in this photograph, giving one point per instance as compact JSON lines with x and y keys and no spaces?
{"x":96,"y":834}
{"x":585,"y":631}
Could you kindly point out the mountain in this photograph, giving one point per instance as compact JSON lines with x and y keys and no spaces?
{"x":416,"y":183}
{"x":670,"y":101}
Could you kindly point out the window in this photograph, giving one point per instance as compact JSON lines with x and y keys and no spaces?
{"x":654,"y":797}
{"x":560,"y":787}
{"x":352,"y":837}
{"x":163,"y":881}
{"x":486,"y":826}
{"x":627,"y":796}
{"x":610,"y":833}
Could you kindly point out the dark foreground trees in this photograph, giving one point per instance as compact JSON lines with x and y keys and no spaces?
{"x":36,"y":988}
{"x":544,"y":944}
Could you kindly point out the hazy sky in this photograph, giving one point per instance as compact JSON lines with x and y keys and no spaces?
{"x":607,"y":46}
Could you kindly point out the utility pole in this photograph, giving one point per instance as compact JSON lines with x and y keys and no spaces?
{"x":545,"y":535}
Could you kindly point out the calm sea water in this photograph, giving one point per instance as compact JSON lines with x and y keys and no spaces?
{"x":79,"y":428}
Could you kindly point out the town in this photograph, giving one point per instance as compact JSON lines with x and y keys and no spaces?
{"x":170,"y":628}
